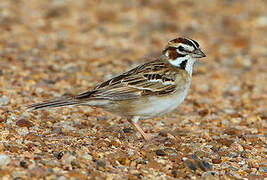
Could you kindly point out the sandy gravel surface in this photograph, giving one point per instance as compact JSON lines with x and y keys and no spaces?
{"x":49,"y":48}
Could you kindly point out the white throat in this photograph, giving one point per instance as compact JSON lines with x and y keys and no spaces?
{"x":189,"y":64}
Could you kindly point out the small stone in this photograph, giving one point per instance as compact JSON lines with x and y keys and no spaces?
{"x":87,"y":157}
{"x":59,"y":155}
{"x":68,"y":128}
{"x":201,"y":154}
{"x":62,"y":178}
{"x":262,"y":21}
{"x":4,"y":100}
{"x":233,"y":131}
{"x":206,"y":165}
{"x":75,"y":164}
{"x":189,"y":164}
{"x":263,"y":169}
{"x":37,"y":170}
{"x":23,"y":164}
{"x":100,"y":164}
{"x":216,"y":161}
{"x":115,"y":143}
{"x":253,"y":163}
{"x":163,"y":133}
{"x":154,"y":164}
{"x":24,"y":123}
{"x":233,"y":168}
{"x":4,"y":160}
{"x":204,"y":112}
{"x":236,"y":147}
{"x":102,"y":118}
{"x":174,"y":173}
{"x":225,"y":141}
{"x":210,"y":175}
{"x":23,"y":131}
{"x":68,"y":158}
{"x":201,"y":163}
{"x":128,"y":130}
{"x":160,"y":152}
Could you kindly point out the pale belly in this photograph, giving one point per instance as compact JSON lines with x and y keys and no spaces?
{"x":159,"y":106}
{"x":147,"y":107}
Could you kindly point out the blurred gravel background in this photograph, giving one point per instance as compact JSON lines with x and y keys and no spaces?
{"x":52,"y":47}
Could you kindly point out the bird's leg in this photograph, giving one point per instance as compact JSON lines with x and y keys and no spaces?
{"x":133,"y":122}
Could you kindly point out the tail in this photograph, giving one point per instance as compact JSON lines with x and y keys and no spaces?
{"x":64,"y":101}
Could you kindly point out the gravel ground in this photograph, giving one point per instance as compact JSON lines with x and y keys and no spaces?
{"x":49,"y":48}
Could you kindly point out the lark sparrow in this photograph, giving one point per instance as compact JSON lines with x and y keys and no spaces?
{"x":149,"y":90}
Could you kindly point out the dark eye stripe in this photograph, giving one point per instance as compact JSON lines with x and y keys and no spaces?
{"x":173,"y":54}
{"x":182,"y":49}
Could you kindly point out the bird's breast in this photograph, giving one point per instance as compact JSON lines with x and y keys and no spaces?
{"x":158,"y":106}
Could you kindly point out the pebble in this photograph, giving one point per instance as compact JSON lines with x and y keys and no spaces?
{"x":263,"y":169}
{"x":68,"y":128}
{"x":23,"y":164}
{"x":24,"y":123}
{"x":4,"y":160}
{"x":59,"y":155}
{"x":62,"y":178}
{"x":210,"y":175}
{"x":262,"y":21}
{"x":128,"y":130}
{"x":4,"y":100}
{"x":160,"y":152}
{"x":68,"y":158}
{"x":23,"y":131}
{"x":236,"y":147}
{"x":189,"y":164}
{"x":87,"y":156}
{"x":206,"y":165}
{"x":100,"y":164}
{"x":216,"y":161}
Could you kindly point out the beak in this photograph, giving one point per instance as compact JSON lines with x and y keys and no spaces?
{"x":198,"y":54}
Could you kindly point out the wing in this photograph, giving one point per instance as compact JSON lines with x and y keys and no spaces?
{"x":153,"y":78}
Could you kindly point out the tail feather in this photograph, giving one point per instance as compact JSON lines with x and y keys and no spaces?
{"x":52,"y":103}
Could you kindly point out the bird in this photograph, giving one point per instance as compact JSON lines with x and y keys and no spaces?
{"x":149,"y":90}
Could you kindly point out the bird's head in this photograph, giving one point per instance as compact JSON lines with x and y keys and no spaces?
{"x":182,"y":53}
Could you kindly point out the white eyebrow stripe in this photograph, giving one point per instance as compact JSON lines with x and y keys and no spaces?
{"x":195,"y":46}
{"x":190,"y":48}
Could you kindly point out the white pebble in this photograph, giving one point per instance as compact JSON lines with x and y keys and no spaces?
{"x":4,"y":100}
{"x":87,"y":156}
{"x":4,"y":160}
{"x":61,"y":178}
{"x":23,"y":131}
{"x":262,"y":21}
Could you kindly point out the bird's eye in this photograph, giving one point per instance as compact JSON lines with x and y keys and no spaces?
{"x":181,"y":48}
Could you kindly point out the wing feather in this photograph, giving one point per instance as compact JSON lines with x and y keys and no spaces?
{"x":148,"y":79}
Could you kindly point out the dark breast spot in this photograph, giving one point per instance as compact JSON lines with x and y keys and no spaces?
{"x":183,"y":64}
